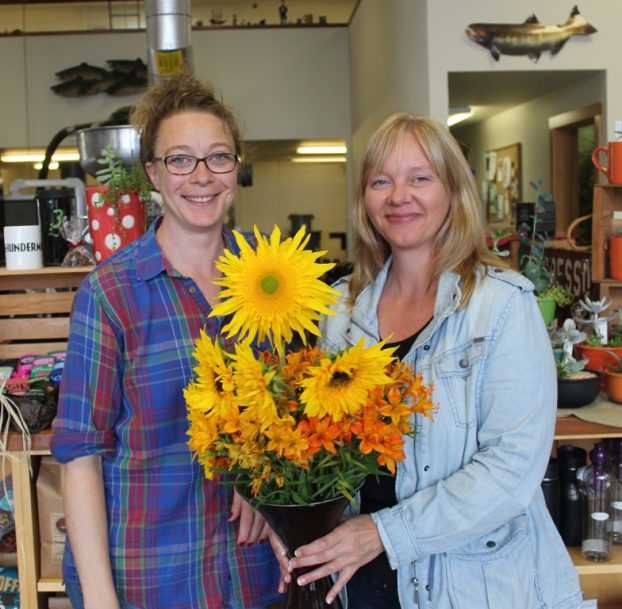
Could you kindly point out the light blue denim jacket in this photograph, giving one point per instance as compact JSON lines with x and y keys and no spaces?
{"x":471,"y":529}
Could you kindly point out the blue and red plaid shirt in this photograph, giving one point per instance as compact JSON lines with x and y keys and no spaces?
{"x":129,"y":358}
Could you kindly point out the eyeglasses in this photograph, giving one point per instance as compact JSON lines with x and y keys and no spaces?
{"x":185,"y":164}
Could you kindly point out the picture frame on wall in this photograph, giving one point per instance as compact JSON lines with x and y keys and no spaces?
{"x":503,"y":184}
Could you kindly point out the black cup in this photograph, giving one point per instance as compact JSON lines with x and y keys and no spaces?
{"x":54,"y":208}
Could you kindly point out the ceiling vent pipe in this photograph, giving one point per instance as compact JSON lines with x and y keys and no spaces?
{"x":169,"y":25}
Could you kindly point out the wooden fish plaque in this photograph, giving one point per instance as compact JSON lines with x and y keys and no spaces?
{"x":530,"y":38}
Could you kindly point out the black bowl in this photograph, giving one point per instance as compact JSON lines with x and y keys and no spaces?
{"x":576,"y":393}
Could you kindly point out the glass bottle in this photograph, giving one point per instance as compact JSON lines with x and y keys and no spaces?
{"x":616,"y":503}
{"x":596,"y":484}
{"x":570,"y":460}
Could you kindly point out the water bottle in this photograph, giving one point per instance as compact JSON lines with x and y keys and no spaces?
{"x":570,"y":459}
{"x":616,"y":503}
{"x":550,"y":488}
{"x":596,"y":485}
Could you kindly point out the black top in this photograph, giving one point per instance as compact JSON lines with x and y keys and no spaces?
{"x":378,"y":493}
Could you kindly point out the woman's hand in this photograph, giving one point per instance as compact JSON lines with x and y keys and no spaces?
{"x":252,"y":526}
{"x":284,"y":564}
{"x":351,"y":545}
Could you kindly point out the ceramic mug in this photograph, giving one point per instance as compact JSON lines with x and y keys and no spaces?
{"x":22,"y":246}
{"x":613,"y":171}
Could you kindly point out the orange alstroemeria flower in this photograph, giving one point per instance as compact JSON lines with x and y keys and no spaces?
{"x":391,"y":450}
{"x":287,"y":442}
{"x":321,"y":433}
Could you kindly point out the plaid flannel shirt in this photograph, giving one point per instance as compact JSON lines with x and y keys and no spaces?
{"x":129,"y":358}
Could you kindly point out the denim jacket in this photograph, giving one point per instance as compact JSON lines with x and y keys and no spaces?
{"x":471,"y":529}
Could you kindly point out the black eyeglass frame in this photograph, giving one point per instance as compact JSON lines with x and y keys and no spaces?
{"x":236,"y":158}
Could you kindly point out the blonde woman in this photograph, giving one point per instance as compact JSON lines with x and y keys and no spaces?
{"x":464,"y":524}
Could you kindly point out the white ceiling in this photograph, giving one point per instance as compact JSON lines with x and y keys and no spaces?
{"x":495,"y":91}
{"x":490,"y":92}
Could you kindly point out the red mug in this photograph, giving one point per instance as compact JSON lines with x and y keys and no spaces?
{"x":613,"y":171}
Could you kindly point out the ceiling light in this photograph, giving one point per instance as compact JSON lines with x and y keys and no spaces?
{"x":321,"y":149}
{"x":52,"y":166}
{"x":457,"y":115}
{"x":319,"y":159}
{"x":36,"y":156}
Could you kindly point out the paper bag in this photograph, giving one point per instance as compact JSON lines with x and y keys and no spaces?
{"x":51,"y":518}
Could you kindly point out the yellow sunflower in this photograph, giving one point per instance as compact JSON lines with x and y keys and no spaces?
{"x":252,"y":380}
{"x":213,"y":392}
{"x":340,"y":386}
{"x":273,"y":291}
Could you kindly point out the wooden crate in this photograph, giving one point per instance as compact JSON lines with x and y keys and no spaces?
{"x":34,"y":318}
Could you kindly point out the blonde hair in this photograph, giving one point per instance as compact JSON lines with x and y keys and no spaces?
{"x":460,"y":244}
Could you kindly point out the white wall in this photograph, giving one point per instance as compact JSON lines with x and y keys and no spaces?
{"x":527,"y":124}
{"x":388,"y":63}
{"x":283,"y":84}
{"x":450,"y":50}
{"x":283,"y":188}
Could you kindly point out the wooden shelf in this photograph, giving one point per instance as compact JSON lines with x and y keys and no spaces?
{"x":40,"y":442}
{"x":33,"y":319}
{"x":606,"y":210}
{"x":573,"y":428}
{"x":47,"y":277}
{"x":48,"y":270}
{"x":589,"y":567}
{"x":49,"y":584}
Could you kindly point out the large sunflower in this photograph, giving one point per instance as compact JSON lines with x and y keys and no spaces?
{"x":340,"y":386}
{"x":273,"y":291}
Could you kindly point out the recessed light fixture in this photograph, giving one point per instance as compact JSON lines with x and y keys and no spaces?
{"x":457,"y":115}
{"x":321,"y":149}
{"x":36,"y":156}
{"x":52,"y":166}
{"x":319,"y":159}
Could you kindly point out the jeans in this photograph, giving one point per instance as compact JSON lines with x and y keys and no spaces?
{"x":367,"y":593}
{"x":77,"y":602}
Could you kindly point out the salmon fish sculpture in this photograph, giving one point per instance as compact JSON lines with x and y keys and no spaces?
{"x":530,"y":38}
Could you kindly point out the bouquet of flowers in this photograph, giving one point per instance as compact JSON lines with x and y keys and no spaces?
{"x":293,"y":426}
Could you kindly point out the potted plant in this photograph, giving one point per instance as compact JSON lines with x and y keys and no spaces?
{"x":553,"y":297}
{"x":576,"y":387}
{"x":116,"y":208}
{"x":599,"y":345}
{"x":613,"y":377}
{"x":549,"y":292}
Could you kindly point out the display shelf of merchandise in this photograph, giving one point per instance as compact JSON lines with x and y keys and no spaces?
{"x":606,"y":221}
{"x":599,"y":580}
{"x":33,"y":319}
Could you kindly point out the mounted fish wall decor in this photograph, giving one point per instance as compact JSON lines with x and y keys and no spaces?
{"x":124,"y":77}
{"x":530,"y":38}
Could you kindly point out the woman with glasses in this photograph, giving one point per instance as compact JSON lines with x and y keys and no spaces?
{"x":145,"y":529}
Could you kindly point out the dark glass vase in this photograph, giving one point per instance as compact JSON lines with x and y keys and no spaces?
{"x":297,"y":525}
